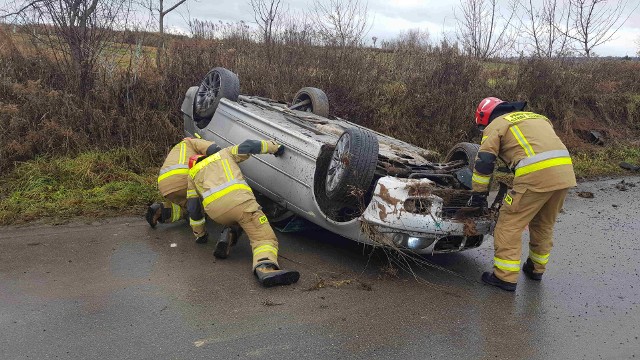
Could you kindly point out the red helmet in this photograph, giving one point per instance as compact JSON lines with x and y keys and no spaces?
{"x":194,"y":159}
{"x":484,"y":110}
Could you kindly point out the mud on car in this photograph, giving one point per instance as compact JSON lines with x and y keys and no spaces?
{"x":348,"y":179}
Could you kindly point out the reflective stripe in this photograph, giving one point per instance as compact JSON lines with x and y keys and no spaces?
{"x":265,"y":248}
{"x":481,"y":179}
{"x":537,"y":258}
{"x":543,"y":165}
{"x":507,"y":265}
{"x":183,"y":153}
{"x":222,"y":190}
{"x":176,"y":212}
{"x":173,"y":167}
{"x":522,"y":140}
{"x":192,"y":193}
{"x":197,"y":222}
{"x":179,"y":171}
{"x":542,"y":156}
{"x":264,"y":147}
{"x":227,"y":169}
{"x":234,"y":150}
{"x":197,"y":167}
{"x":519,"y":116}
{"x":483,"y":139}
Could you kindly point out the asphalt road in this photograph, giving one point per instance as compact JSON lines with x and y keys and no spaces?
{"x":117,"y":289}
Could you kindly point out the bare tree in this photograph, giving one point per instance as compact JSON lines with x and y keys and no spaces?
{"x":73,"y":32}
{"x":544,"y":27}
{"x":482,"y":30}
{"x":595,"y":22}
{"x":342,"y":22}
{"x":158,"y":7}
{"x":268,"y":16}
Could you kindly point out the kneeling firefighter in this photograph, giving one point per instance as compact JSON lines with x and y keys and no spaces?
{"x":527,"y":143}
{"x":172,"y":181}
{"x":216,"y":184}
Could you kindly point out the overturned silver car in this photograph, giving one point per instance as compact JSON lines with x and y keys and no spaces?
{"x":350,"y":180}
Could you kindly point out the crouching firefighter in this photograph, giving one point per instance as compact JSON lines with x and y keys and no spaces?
{"x":172,"y":181}
{"x":527,"y":143}
{"x":216,"y":184}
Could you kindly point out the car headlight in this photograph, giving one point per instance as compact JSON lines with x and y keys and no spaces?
{"x":413,"y":242}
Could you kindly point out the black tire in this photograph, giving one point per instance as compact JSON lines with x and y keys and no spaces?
{"x":217,"y":84}
{"x":319,"y":103}
{"x":464,"y":151}
{"x":352,"y":165}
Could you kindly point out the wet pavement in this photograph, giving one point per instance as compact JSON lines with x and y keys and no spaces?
{"x":118,"y":290}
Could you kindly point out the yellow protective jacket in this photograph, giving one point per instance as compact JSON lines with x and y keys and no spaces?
{"x":173,"y":173}
{"x":216,"y":183}
{"x":527,"y":143}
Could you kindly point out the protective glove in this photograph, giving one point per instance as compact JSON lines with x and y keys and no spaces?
{"x":279,"y":152}
{"x":203,"y":239}
{"x":478,"y":200}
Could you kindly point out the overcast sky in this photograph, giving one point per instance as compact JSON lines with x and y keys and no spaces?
{"x":390,"y":17}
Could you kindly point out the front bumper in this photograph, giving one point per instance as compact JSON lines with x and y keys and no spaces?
{"x":408,"y":213}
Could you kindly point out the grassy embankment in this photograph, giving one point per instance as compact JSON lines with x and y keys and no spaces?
{"x":120,"y":182}
{"x":92,"y":184}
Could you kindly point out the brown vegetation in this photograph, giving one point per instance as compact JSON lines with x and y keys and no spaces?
{"x":425,"y":95}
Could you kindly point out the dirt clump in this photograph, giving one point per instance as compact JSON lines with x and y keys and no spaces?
{"x":585,"y":194}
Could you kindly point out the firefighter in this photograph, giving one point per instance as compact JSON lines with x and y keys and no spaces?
{"x":172,"y":181}
{"x":527,"y":143}
{"x":216,"y":187}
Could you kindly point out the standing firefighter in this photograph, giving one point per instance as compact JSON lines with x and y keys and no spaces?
{"x":172,"y":181}
{"x":527,"y":143}
{"x":216,"y":183}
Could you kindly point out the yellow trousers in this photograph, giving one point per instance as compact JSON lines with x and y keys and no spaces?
{"x":248,"y":215}
{"x":539,"y":210}
{"x":176,"y":207}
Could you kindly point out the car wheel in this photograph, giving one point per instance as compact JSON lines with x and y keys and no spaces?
{"x":352,"y":165}
{"x":217,"y":84}
{"x":311,"y":100}
{"x":464,"y":151}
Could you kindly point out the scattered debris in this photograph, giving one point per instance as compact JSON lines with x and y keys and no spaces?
{"x":585,"y":194}
{"x":595,"y":137}
{"x":322,"y":283}
{"x":384,"y":195}
{"x":627,"y":166}
{"x":365,"y":286}
{"x":622,"y":186}
{"x":390,"y":270}
{"x":267,"y":302}
{"x":173,"y":245}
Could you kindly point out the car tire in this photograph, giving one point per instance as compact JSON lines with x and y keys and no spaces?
{"x":217,"y":84}
{"x":464,"y":151}
{"x":352,"y":166}
{"x":318,"y":101}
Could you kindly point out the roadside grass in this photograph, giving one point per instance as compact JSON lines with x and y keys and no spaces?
{"x":605,"y":161}
{"x":92,"y":184}
{"x":121,"y":182}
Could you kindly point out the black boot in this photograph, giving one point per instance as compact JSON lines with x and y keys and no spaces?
{"x":228,"y":238}
{"x":491,"y":279}
{"x":154,"y":214}
{"x":269,"y":275}
{"x":528,"y":268}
